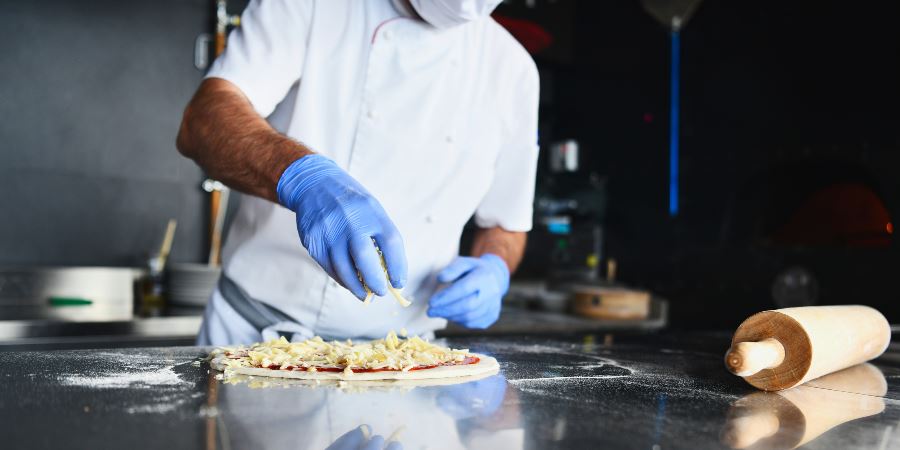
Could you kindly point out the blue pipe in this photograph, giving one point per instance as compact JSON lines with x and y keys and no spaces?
{"x":673,"y":123}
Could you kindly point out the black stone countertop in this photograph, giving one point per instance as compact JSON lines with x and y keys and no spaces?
{"x":642,"y":392}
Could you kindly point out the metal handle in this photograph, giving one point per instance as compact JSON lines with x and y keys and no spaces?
{"x":201,"y":51}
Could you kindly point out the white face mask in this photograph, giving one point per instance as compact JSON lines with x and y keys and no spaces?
{"x":449,"y":13}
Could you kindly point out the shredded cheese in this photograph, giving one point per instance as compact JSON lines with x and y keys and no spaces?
{"x":390,"y":353}
{"x":398,"y":296}
{"x":395,"y":292}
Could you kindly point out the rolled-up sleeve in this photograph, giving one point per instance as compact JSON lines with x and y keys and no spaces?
{"x":509,"y":201}
{"x":265,"y":54}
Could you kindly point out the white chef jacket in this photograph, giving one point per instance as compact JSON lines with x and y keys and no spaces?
{"x":438,"y":125}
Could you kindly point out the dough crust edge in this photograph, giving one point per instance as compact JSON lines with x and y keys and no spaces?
{"x":485,"y":365}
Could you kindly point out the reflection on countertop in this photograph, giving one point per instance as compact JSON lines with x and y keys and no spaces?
{"x":279,"y":413}
{"x":793,"y":417}
{"x":664,"y":391}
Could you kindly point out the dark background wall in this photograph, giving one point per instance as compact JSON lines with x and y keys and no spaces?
{"x":91,"y":94}
{"x":778,"y":100}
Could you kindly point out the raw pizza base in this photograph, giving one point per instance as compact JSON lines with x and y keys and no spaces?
{"x":485,"y":365}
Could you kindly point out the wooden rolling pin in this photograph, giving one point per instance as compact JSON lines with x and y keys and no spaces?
{"x":779,"y":349}
{"x":794,"y":417}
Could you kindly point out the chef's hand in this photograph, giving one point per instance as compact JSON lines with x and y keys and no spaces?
{"x":473,"y":297}
{"x":479,"y":398}
{"x":337,"y":220}
{"x":358,"y":439}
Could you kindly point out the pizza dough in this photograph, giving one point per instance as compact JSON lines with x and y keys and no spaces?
{"x":391,"y":358}
{"x":257,"y":382}
{"x":486,"y":365}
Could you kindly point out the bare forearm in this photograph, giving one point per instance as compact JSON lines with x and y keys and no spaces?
{"x":509,"y":245}
{"x":225,"y":136}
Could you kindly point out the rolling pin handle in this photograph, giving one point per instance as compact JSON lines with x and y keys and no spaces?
{"x":747,"y":358}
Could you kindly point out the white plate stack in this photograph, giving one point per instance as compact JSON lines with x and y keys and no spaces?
{"x":191,"y":284}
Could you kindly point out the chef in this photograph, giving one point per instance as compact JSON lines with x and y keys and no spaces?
{"x":362,"y":130}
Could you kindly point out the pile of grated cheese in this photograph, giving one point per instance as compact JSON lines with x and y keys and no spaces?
{"x":390,"y":353}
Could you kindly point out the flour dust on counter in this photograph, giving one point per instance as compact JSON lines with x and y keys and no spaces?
{"x":117,"y":370}
{"x":164,"y":376}
{"x":140,"y":382}
{"x":563,"y":370}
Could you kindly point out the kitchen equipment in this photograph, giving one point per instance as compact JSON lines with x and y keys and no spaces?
{"x":191,"y":284}
{"x":673,"y":14}
{"x":779,"y":349}
{"x":224,"y":20}
{"x":610,"y":302}
{"x":219,"y":194}
{"x":151,"y":301}
{"x":68,"y":294}
{"x":166,"y":246}
{"x":791,"y":418}
{"x":535,"y":294}
{"x":564,"y":156}
{"x":571,"y":208}
{"x":69,"y":301}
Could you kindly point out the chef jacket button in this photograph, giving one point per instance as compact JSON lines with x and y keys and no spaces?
{"x":386,"y":34}
{"x":372,"y":114}
{"x":429,"y":219}
{"x":454,"y":62}
{"x":449,"y":139}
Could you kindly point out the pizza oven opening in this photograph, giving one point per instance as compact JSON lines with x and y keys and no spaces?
{"x":825,"y":205}
{"x":848,"y":214}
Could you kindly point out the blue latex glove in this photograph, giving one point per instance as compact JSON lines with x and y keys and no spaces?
{"x":473,"y":297}
{"x":480,"y":398}
{"x":337,"y":220}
